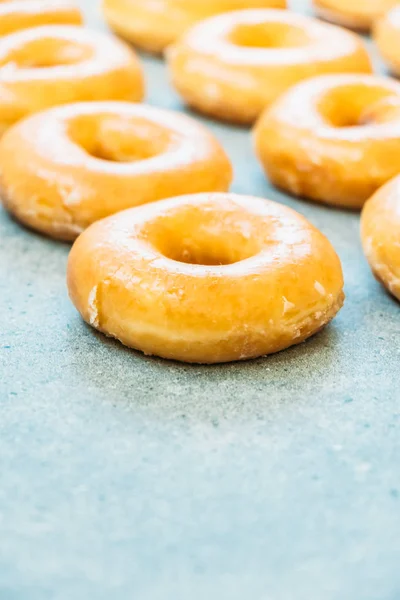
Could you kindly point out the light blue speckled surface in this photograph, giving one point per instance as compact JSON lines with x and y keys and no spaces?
{"x":130,"y":478}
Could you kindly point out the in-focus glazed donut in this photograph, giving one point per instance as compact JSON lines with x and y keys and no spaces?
{"x":380,"y":234}
{"x":66,"y":167}
{"x":334,"y":138}
{"x":45,"y":66}
{"x":206,"y":278}
{"x":154,"y":24}
{"x":356,"y":14}
{"x":21,"y":14}
{"x":387,"y":38}
{"x":234,"y":65}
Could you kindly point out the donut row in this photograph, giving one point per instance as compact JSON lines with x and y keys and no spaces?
{"x":232,"y":66}
{"x":152,"y":25}
{"x":190,"y":271}
{"x":332,"y":139}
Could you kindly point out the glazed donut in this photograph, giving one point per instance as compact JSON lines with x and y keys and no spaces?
{"x":380,"y":234}
{"x":206,"y":278}
{"x":234,"y":65}
{"x":154,"y":24}
{"x":387,"y":38}
{"x":356,"y":14}
{"x":333,"y":138}
{"x":45,"y":66}
{"x":66,"y":167}
{"x":21,"y":14}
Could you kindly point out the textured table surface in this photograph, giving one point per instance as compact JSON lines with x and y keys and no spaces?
{"x":130,"y":478}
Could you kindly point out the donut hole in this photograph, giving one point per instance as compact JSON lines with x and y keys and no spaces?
{"x":210,"y":252}
{"x":268,"y":35}
{"x":356,"y":105}
{"x":205,"y":236}
{"x":117,"y":138}
{"x":47,"y":52}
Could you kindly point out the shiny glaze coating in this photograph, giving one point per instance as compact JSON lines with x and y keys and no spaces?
{"x":206,"y":278}
{"x":68,"y":166}
{"x":387,"y":37}
{"x":356,"y":14}
{"x":334,"y":138}
{"x":154,"y":24}
{"x":45,"y":66}
{"x":234,"y":65}
{"x":380,"y":234}
{"x":22,"y":14}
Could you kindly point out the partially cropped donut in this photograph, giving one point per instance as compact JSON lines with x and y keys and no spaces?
{"x":64,"y":168}
{"x":334,"y":139}
{"x":45,"y":66}
{"x":234,"y":65}
{"x":154,"y":25}
{"x":380,"y":234}
{"x":22,"y":14}
{"x":206,"y":278}
{"x":356,"y":14}
{"x":387,"y":38}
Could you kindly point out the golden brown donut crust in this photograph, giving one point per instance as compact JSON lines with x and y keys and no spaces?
{"x":234,"y":65}
{"x":380,"y":235}
{"x":206,"y":278}
{"x":50,"y":65}
{"x":387,"y":37}
{"x":356,"y":14}
{"x":334,"y":139}
{"x":22,"y":14}
{"x":65,"y":168}
{"x":154,"y":24}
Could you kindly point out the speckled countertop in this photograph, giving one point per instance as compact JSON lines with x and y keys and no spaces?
{"x":130,"y":478}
